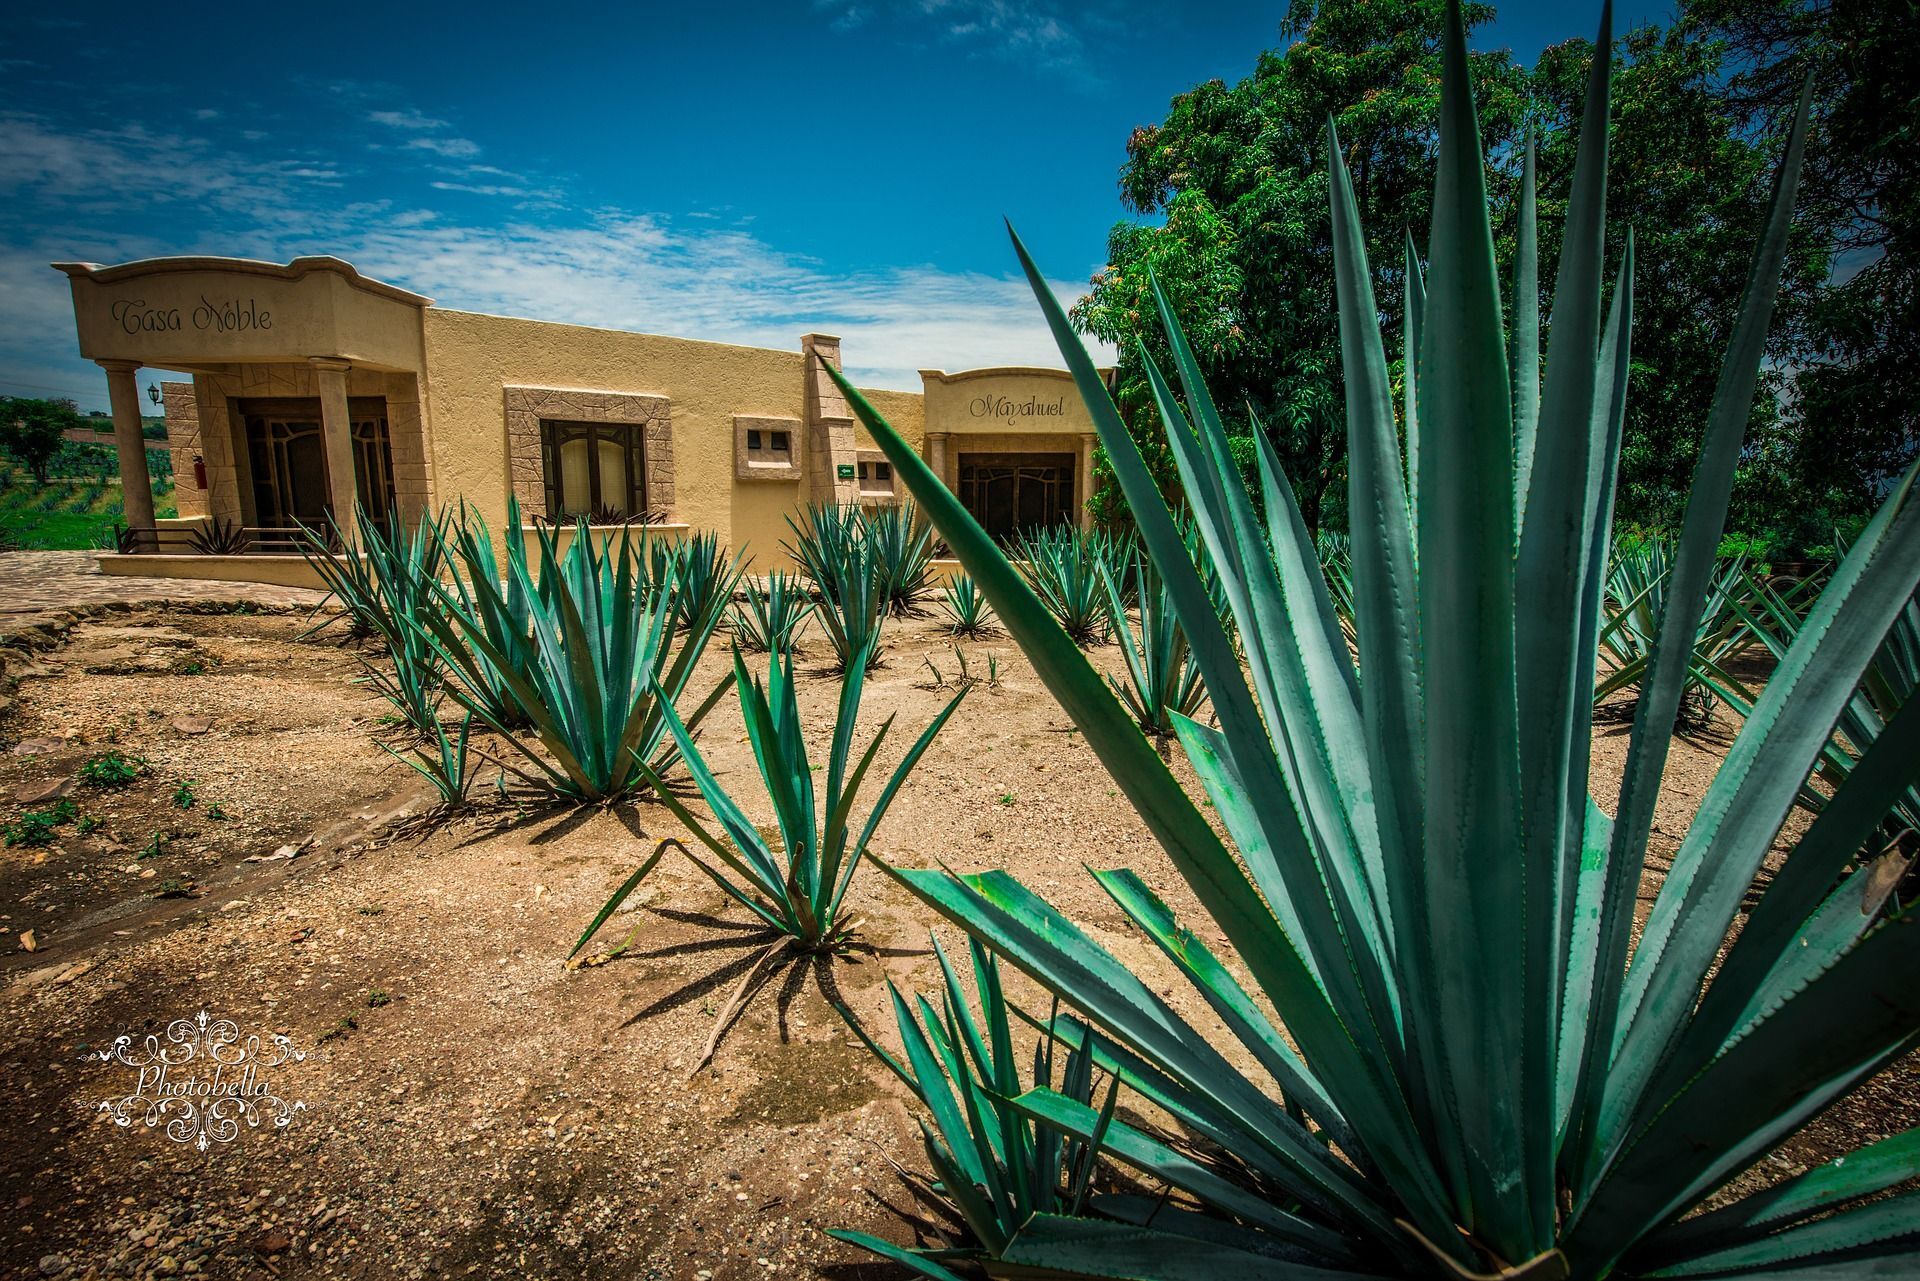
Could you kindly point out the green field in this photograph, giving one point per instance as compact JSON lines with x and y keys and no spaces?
{"x":80,"y":503}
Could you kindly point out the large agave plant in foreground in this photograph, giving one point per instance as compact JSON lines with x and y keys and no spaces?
{"x":1478,"y":1073}
{"x":603,"y":662}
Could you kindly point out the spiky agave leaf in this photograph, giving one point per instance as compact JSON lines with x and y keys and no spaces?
{"x":832,"y":546}
{"x":797,"y":886}
{"x":383,"y":583}
{"x":1424,"y":892}
{"x":1636,"y":598}
{"x":498,"y":603}
{"x":604,"y":649}
{"x":704,"y":579}
{"x":776,"y":611}
{"x":1775,"y":616}
{"x":1064,"y":563}
{"x":901,"y":546}
{"x":823,"y":541}
{"x":968,"y":613}
{"x":998,"y":1160}
{"x":1163,"y":680}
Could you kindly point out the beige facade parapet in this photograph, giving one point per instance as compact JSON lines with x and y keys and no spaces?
{"x":1018,"y":399}
{"x":294,"y":270}
{"x":192,"y":313}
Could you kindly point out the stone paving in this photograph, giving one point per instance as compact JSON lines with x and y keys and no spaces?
{"x":40,"y":583}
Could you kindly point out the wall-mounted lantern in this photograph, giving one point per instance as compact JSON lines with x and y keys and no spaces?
{"x":153,"y":392}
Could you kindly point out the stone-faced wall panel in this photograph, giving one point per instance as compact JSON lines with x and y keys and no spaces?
{"x":528,"y":407}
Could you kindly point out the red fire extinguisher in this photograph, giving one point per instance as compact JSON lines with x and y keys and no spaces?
{"x":199,"y":473}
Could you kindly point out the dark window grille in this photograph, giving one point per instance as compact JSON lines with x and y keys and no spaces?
{"x":287,"y":462}
{"x":594,"y":470}
{"x":1010,"y":494}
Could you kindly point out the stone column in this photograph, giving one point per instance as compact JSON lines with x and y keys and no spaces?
{"x":136,"y":486}
{"x":1083,"y":481}
{"x":830,"y":442}
{"x":336,"y":428}
{"x":937,"y":456}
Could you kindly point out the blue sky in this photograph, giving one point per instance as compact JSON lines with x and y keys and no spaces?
{"x":736,"y":172}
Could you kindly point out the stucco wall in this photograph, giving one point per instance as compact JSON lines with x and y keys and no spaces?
{"x":472,"y":358}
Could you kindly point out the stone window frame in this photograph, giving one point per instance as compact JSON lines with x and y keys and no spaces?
{"x":864,"y":458}
{"x":765,"y":466}
{"x":528,"y":407}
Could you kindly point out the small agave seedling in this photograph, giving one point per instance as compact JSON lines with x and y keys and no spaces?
{"x":704,"y":578}
{"x":442,"y":760}
{"x":774,"y":615}
{"x":1482,"y":1071}
{"x":1636,"y":601}
{"x":1064,"y":566}
{"x":853,"y":606}
{"x":797,"y":887}
{"x":1163,"y":678}
{"x":823,"y":541}
{"x":995,"y":1164}
{"x":900,"y":545}
{"x":968,"y":613}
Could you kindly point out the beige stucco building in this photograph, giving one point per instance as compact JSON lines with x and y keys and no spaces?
{"x":315,"y":388}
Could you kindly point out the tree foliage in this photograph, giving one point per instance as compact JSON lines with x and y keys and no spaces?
{"x":1228,"y":180}
{"x":34,"y":428}
{"x":1239,"y":176}
{"x":1852,"y":418}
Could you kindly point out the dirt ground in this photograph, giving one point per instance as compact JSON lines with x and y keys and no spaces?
{"x":473,"y":1107}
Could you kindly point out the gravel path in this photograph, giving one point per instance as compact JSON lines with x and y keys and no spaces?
{"x":33,"y":583}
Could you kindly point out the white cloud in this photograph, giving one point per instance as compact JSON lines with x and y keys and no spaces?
{"x":452,"y":148}
{"x":1034,"y":33}
{"x":407,"y":118}
{"x":693,"y":278}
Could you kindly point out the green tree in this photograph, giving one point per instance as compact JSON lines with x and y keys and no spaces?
{"x":1693,"y":184}
{"x":1852,"y":415}
{"x":1238,"y":173}
{"x":34,"y":429}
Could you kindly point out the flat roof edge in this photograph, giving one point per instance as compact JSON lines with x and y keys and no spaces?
{"x":998,"y":371}
{"x":294,"y":270}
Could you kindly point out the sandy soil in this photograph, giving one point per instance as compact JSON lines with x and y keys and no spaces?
{"x":472,"y":1106}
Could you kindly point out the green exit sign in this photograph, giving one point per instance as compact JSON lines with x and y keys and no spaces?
{"x":846,"y":471}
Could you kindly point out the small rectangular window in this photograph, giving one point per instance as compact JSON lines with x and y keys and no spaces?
{"x":769,"y":447}
{"x":875,"y":476}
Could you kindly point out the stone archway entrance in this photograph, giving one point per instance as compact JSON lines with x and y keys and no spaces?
{"x":306,"y":397}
